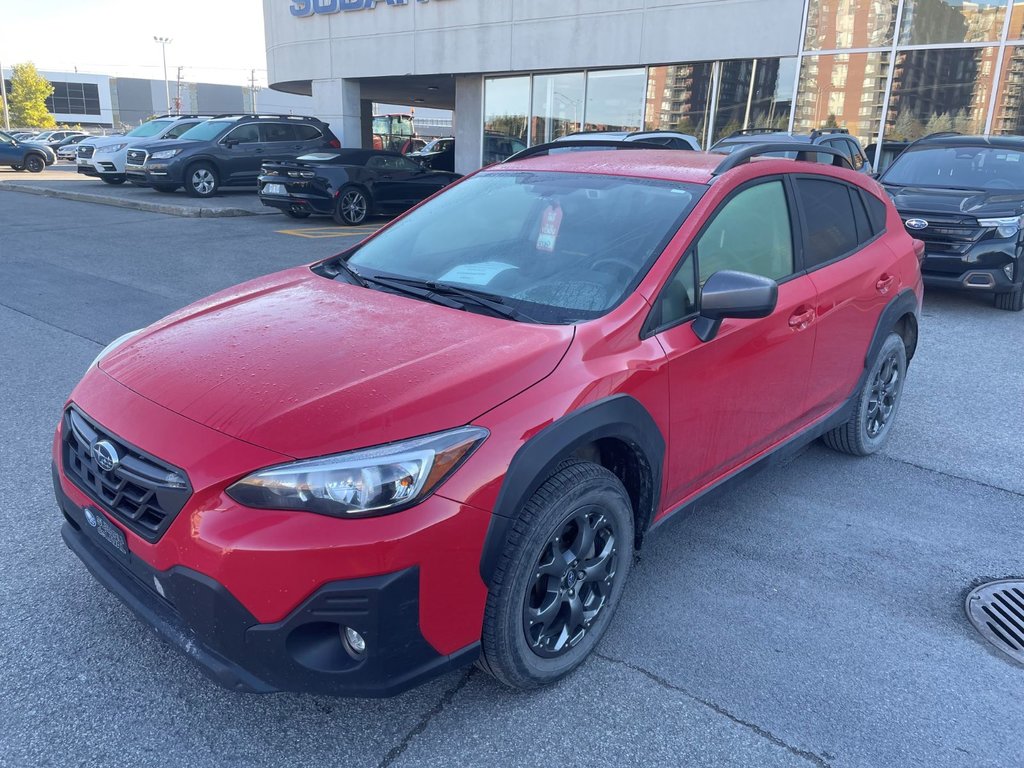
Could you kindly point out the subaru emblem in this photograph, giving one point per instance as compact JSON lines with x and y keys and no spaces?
{"x":90,"y":517}
{"x":917,"y":224}
{"x":106,"y":455}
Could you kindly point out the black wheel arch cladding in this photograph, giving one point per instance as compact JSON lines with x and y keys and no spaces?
{"x":619,"y":418}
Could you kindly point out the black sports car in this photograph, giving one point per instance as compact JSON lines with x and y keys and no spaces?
{"x":348,"y":184}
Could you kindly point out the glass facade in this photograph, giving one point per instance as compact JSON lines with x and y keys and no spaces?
{"x":881,"y":69}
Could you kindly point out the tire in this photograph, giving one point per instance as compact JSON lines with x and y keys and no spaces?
{"x":18,"y":168}
{"x":877,"y":403}
{"x":298,"y":214}
{"x":519,"y":648}
{"x":201,"y":180}
{"x":113,"y":179}
{"x":352,"y":207}
{"x":1012,"y":301}
{"x":35,"y":164}
{"x":166,"y":188}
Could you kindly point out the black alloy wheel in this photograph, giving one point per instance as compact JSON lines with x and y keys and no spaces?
{"x":559,"y":578}
{"x":573,"y":582}
{"x":876,"y":404}
{"x":34,"y":164}
{"x":297,"y":214}
{"x":114,"y":179}
{"x":352,"y":207}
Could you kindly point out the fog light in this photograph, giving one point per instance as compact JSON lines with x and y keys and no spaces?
{"x":1008,"y":269}
{"x":354,"y":642}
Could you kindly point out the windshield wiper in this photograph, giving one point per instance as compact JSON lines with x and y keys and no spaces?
{"x":357,"y":278}
{"x":400,"y":285}
{"x":489,"y":301}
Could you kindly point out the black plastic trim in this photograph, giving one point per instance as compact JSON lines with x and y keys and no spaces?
{"x":619,"y":416}
{"x":304,"y":652}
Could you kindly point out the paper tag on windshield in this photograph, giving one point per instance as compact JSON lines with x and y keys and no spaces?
{"x":550,"y":223}
{"x":474,"y":274}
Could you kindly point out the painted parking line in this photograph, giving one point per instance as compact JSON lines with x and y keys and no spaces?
{"x":322,"y":233}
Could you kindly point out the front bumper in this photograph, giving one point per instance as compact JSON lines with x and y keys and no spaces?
{"x":303,"y":652}
{"x":101,"y":165}
{"x":982,"y":268}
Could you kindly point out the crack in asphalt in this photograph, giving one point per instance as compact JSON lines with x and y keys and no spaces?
{"x":811,"y":757}
{"x":973,"y":480}
{"x":51,"y":325}
{"x":396,"y":751}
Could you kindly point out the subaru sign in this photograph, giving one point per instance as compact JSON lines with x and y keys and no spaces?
{"x":318,"y":7}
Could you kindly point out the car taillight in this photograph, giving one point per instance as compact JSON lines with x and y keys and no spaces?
{"x":334,"y":144}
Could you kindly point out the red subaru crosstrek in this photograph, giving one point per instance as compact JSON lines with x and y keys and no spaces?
{"x":446,"y":444}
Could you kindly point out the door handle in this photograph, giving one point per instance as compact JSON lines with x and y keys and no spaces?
{"x":801,"y":319}
{"x":885,"y":282}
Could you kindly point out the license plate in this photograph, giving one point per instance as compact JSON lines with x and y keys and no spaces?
{"x":83,"y":162}
{"x":274,"y":189}
{"x":107,"y":530}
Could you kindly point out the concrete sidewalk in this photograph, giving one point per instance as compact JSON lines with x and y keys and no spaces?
{"x":64,"y":182}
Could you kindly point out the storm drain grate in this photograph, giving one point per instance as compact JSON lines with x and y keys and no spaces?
{"x":996,"y":610}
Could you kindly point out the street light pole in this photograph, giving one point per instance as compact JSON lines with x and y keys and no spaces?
{"x":167,"y":86}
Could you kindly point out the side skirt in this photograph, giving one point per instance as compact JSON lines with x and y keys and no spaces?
{"x":784,"y":450}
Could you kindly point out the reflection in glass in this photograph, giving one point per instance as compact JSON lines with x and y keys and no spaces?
{"x":754,"y":93}
{"x":940,"y":90}
{"x":557,"y":106}
{"x":952,"y":21}
{"x":679,"y":98}
{"x":1016,"y":30}
{"x":1008,"y":117}
{"x":833,"y":24}
{"x":615,"y":100}
{"x":506,"y":107}
{"x":842,"y":90}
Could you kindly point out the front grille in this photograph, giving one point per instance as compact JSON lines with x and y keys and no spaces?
{"x":85,"y":151}
{"x":946,"y":235}
{"x":136,"y":156}
{"x":140,"y":491}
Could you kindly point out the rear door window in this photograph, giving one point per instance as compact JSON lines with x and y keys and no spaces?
{"x":278,"y":132}
{"x":829,"y":220}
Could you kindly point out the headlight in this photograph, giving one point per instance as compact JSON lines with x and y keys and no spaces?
{"x":163,"y":154}
{"x":114,"y":345}
{"x":373,"y":481}
{"x":1005,"y":227}
{"x":111,"y":149}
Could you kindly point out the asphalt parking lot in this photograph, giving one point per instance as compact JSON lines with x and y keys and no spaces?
{"x":812,"y":618}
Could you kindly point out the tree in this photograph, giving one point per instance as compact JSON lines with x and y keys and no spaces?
{"x":27,"y":99}
{"x":906,"y":127}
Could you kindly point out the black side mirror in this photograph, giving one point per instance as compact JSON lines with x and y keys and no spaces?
{"x":733,"y":294}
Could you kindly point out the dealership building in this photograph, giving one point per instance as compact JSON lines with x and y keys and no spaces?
{"x":521,"y":72}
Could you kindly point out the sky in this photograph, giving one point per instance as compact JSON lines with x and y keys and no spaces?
{"x":216,"y":41}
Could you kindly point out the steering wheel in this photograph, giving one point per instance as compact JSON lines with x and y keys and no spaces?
{"x":626,"y":268}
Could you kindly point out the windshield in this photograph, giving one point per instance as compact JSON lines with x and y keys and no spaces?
{"x":981,"y":168}
{"x":558,"y":247}
{"x":152,"y":128}
{"x":211,"y":129}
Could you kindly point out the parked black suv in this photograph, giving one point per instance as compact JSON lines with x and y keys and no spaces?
{"x":226,"y":150}
{"x":834,"y":138}
{"x":964,"y":197}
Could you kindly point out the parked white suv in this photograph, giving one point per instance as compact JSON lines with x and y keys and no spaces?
{"x":104,"y":157}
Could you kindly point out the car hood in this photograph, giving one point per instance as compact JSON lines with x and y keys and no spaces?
{"x":956,"y":202}
{"x":106,"y":141}
{"x":305,"y":366}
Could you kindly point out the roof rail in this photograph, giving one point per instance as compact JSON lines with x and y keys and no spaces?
{"x":804,"y":152}
{"x":823,"y":131}
{"x":158,"y":117}
{"x":544,"y":149}
{"x":754,"y":131}
{"x":304,"y":118}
